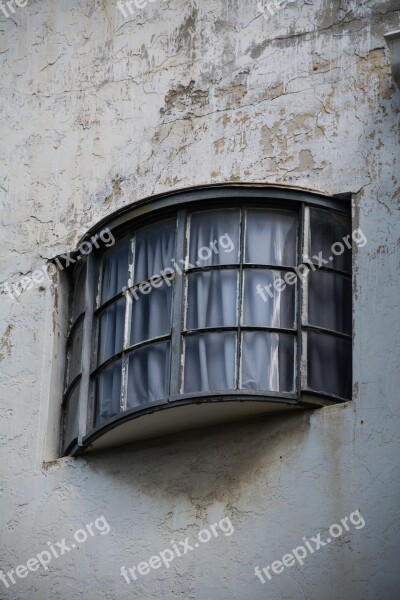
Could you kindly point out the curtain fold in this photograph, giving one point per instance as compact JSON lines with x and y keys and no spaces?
{"x":271,"y":237}
{"x":148,"y":374}
{"x":212,"y":299}
{"x":214,"y":226}
{"x":151,"y":314}
{"x":151,"y":311}
{"x":154,"y":249}
{"x":263,"y":305}
{"x":111,"y":330}
{"x":210,"y":362}
{"x":268,"y":361}
{"x":108,"y":391}
{"x":114,"y":271}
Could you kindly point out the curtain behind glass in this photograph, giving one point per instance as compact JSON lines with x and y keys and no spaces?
{"x":111,"y":330}
{"x":262,"y":310}
{"x":218,"y":227}
{"x":154,"y":249}
{"x":108,"y":392}
{"x":151,"y":314}
{"x":148,"y":374}
{"x":268,"y":361}
{"x":271,"y":237}
{"x":212,"y":299}
{"x":210,"y":362}
{"x":115,"y":271}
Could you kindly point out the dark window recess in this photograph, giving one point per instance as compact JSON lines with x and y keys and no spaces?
{"x":207,"y":302}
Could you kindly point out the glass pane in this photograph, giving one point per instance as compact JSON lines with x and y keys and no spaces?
{"x":72,"y":417}
{"x":79,"y":293}
{"x":329,"y":364}
{"x":148,"y":375}
{"x":210,"y":362}
{"x":151,"y":314}
{"x":75,"y":352}
{"x":328,"y":229}
{"x":108,"y":392}
{"x":154,"y":249}
{"x":268,"y":361}
{"x":212,"y":299}
{"x":263,"y":304}
{"x":111,"y":330}
{"x":271,"y":237}
{"x":330,"y":301}
{"x":115,"y":271}
{"x":214,"y":237}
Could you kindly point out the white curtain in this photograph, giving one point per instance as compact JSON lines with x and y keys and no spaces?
{"x":151,"y":314}
{"x":148,"y":375}
{"x":154,"y":249}
{"x":111,"y":330}
{"x":269,"y":308}
{"x":211,"y":226}
{"x":108,"y":391}
{"x":151,"y":311}
{"x":268,"y":361}
{"x":210,"y":362}
{"x":115,"y":271}
{"x":271,"y":237}
{"x":210,"y":358}
{"x":212,"y":299}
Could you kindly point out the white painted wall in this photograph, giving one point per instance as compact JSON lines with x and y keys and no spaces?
{"x":99,"y":112}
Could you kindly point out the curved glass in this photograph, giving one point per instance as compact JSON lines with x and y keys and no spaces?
{"x":212,"y":301}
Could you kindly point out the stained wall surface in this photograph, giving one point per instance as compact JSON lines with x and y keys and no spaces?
{"x":100,"y":111}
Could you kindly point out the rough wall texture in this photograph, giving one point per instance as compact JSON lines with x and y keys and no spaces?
{"x":100,"y":111}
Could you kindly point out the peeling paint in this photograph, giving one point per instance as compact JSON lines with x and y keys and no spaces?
{"x":5,"y":342}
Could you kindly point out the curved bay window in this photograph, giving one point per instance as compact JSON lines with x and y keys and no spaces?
{"x":225,"y":296}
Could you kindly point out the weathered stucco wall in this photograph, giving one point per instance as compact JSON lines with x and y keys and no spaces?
{"x":100,"y":111}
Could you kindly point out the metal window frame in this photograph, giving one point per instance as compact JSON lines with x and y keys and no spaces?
{"x":180,"y":205}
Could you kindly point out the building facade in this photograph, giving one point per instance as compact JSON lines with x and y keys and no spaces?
{"x":106,"y":106}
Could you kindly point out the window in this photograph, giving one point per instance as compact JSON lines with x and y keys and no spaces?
{"x":230,"y":294}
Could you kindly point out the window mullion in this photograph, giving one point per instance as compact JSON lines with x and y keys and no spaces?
{"x":302,"y":301}
{"x":176,"y":372}
{"x":123,"y":402}
{"x":243,"y":220}
{"x":87,"y":347}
